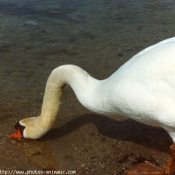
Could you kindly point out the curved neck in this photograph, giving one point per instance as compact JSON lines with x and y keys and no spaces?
{"x":85,"y":87}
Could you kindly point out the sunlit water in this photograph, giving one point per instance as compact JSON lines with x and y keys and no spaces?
{"x":37,"y":36}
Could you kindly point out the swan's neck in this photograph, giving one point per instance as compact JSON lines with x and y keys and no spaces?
{"x":85,"y":87}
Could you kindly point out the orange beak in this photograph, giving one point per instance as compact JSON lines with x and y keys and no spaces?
{"x":16,"y":135}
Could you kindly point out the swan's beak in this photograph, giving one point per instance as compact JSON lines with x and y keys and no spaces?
{"x":16,"y":135}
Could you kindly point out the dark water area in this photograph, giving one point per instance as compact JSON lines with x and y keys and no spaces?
{"x":99,"y":36}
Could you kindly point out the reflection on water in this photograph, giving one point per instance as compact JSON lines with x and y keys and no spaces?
{"x":37,"y":36}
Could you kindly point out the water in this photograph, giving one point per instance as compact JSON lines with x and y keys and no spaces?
{"x":37,"y":36}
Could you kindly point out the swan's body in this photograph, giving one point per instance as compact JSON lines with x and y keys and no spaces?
{"x":143,"y":89}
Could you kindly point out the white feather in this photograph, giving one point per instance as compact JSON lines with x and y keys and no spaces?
{"x":143,"y":89}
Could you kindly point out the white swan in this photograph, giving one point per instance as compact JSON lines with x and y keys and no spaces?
{"x":143,"y":89}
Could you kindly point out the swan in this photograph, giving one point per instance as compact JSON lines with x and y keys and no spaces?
{"x":142,"y":89}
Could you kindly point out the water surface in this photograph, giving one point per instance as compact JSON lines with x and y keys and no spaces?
{"x":37,"y":36}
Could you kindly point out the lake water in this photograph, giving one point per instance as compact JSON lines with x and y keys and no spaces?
{"x":37,"y":36}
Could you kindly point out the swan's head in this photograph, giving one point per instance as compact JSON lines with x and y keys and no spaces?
{"x":28,"y":128}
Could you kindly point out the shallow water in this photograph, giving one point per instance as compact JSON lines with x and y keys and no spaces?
{"x":37,"y":36}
